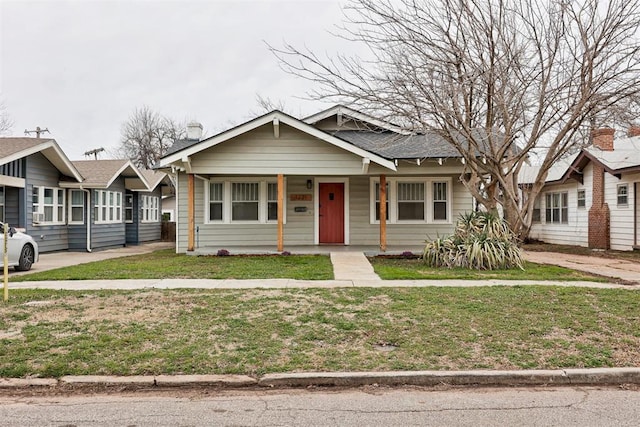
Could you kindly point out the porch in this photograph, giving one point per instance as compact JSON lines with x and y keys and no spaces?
{"x":368,"y":250}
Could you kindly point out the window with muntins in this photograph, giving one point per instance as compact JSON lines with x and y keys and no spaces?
{"x":128,"y":208}
{"x":48,"y":205}
{"x":150,"y":209}
{"x":377,"y":199}
{"x":272,"y":201}
{"x":557,"y":208}
{"x":216,"y":197}
{"x":107,"y":206}
{"x":623,"y":195}
{"x":582,"y":198}
{"x":440,"y":208}
{"x":411,"y":199}
{"x":244,"y":201}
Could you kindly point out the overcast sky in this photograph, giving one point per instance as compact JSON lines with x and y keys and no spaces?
{"x":80,"y":68}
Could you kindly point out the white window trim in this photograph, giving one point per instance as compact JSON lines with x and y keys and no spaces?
{"x":125,"y":208}
{"x":118,"y":211}
{"x":263,"y":207}
{"x":563,"y":221}
{"x":4,"y":193}
{"x":392,"y":198}
{"x":584,"y":192}
{"x":618,"y":204}
{"x":39,"y":208}
{"x":149,"y":209}
{"x":71,"y":206}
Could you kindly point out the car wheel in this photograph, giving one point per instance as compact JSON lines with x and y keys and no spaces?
{"x":26,"y":258}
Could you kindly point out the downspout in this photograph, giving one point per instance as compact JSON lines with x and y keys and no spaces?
{"x":88,"y":218}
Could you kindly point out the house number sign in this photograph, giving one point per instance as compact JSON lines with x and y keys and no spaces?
{"x":300,"y":197}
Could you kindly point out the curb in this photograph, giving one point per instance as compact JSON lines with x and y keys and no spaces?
{"x":566,"y":377}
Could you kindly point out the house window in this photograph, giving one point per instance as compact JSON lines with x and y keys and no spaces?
{"x":244,"y":201}
{"x":440,"y":201}
{"x":377,"y":199}
{"x":255,"y":200}
{"x":48,"y":205}
{"x":411,"y":201}
{"x":556,"y":209}
{"x":1,"y":204}
{"x":215,"y":201}
{"x":623,"y":195}
{"x":128,"y":208}
{"x":272,"y":201}
{"x":76,"y":214}
{"x":425,"y":200}
{"x":150,"y":209}
{"x":107,"y":206}
{"x":582,"y":198}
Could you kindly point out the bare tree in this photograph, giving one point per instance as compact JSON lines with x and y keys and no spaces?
{"x":497,"y":79}
{"x":147,"y":135}
{"x":5,"y":121}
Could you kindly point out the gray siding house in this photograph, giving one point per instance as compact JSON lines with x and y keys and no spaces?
{"x":339,"y":177}
{"x":32,"y":173}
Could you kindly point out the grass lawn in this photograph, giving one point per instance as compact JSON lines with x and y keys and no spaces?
{"x":166,"y":264}
{"x":415,"y":269}
{"x":53,"y":333}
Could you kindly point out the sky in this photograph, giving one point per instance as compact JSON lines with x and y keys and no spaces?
{"x":81,"y":68}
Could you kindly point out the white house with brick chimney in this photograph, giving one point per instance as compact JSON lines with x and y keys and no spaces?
{"x":593,"y":199}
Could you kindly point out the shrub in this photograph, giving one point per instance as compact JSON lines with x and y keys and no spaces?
{"x":286,"y":253}
{"x":481,"y":241}
{"x":223,"y":252}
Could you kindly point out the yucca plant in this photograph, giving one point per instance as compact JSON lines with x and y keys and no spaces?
{"x":481,"y":241}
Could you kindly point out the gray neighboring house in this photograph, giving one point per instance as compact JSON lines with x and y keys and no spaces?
{"x":281,"y":181}
{"x":143,"y":208}
{"x":32,"y":196}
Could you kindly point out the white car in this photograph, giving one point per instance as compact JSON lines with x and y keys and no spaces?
{"x":22,"y":250}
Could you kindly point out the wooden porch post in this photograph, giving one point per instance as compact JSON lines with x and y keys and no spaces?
{"x":383,"y":213}
{"x":191,"y":231}
{"x":280,"y":212}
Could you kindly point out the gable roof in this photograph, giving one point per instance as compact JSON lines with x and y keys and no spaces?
{"x":12,"y":149}
{"x":341,"y":110}
{"x":192,"y":147}
{"x":102,"y":173}
{"x":153,"y":178}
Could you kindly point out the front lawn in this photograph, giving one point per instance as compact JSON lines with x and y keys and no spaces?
{"x":416,"y":269}
{"x":166,"y":264}
{"x":53,"y":333}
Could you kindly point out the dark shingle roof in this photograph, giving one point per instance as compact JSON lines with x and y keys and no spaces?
{"x":181,"y":144}
{"x":391,"y":145}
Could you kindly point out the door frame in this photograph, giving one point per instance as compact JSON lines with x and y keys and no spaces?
{"x":316,"y":206}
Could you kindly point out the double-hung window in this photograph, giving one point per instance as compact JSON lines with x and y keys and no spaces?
{"x":582,"y":198}
{"x":411,"y":201}
{"x":76,"y":208}
{"x":107,"y":206}
{"x":623,"y":195}
{"x":557,"y":208}
{"x":128,"y":208}
{"x":48,"y":205}
{"x":242,"y":201}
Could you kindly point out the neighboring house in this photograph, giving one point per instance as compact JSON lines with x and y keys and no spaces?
{"x":143,"y":209}
{"x":592,"y":199}
{"x":118,"y":212}
{"x":324,"y":174}
{"x":32,"y":197}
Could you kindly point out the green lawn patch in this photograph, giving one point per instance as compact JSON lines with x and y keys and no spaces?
{"x":166,"y":264}
{"x":53,"y":333}
{"x":416,"y":269}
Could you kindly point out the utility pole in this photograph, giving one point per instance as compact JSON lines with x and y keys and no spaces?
{"x":94,"y":153}
{"x":38,"y":131}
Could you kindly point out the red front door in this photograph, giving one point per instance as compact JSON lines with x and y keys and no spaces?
{"x":331,"y":212}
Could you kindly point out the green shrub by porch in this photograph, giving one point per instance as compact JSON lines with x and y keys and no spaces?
{"x":481,"y":241}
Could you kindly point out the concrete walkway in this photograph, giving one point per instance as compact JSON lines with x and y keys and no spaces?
{"x":613,"y":268}
{"x":352,"y":266}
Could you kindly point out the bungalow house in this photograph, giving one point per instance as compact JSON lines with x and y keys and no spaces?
{"x":32,"y":171}
{"x":339,"y":177}
{"x":124,"y":205}
{"x":592,"y":199}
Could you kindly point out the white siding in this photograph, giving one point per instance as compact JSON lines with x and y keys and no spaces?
{"x":622,"y":217}
{"x":576,"y":231}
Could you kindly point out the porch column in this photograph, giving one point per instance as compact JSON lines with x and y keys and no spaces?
{"x":191,"y":220}
{"x":383,"y":213}
{"x":280,"y":212}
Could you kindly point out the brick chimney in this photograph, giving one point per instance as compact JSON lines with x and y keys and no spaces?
{"x":603,"y":138}
{"x":634,"y":130}
{"x":599,"y":215}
